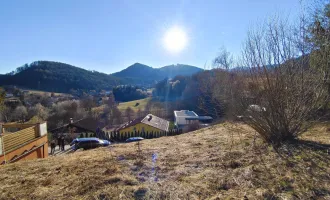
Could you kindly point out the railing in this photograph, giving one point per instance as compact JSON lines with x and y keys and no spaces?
{"x":14,"y":127}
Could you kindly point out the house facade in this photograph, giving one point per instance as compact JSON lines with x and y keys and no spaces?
{"x":85,"y":127}
{"x":185,"y":117}
{"x":149,"y":123}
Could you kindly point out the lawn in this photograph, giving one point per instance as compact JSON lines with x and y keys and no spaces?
{"x":226,"y":161}
{"x":135,"y":105}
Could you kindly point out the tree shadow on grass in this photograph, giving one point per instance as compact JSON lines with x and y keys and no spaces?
{"x":311,"y":162}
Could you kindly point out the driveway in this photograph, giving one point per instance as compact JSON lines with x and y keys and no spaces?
{"x":57,"y":150}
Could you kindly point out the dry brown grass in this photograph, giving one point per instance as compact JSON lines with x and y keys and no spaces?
{"x":221,"y":162}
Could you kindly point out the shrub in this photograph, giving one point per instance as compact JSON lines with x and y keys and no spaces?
{"x":278,"y":91}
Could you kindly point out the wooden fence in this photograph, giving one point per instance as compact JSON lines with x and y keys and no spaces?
{"x":116,"y":136}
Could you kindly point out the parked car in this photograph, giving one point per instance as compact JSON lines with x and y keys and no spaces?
{"x":88,"y":143}
{"x":134,"y":139}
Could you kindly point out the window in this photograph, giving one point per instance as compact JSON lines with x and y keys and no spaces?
{"x":142,"y":129}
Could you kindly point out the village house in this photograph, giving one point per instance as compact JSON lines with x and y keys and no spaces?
{"x":149,"y":123}
{"x":85,"y":127}
{"x":23,"y":142}
{"x":186,"y":117}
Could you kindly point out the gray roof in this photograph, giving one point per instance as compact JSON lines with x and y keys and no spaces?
{"x":185,"y":113}
{"x":156,"y":122}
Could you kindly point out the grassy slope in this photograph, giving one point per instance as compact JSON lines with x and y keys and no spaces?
{"x":142,"y":104}
{"x":49,"y":93}
{"x":220,"y":162}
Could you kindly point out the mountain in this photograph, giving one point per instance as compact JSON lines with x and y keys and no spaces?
{"x":59,"y":77}
{"x":173,"y":70}
{"x":142,"y":74}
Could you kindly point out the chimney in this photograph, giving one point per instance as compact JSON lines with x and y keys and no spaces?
{"x":150,"y":117}
{"x":71,"y":120}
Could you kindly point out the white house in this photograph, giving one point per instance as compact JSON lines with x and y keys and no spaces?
{"x":186,"y":117}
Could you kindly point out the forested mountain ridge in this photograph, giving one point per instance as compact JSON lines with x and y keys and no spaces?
{"x":61,"y":77}
{"x":142,"y":74}
{"x":180,"y":69}
{"x":58,"y":77}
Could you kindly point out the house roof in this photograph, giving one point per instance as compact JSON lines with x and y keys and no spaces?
{"x":156,"y":122}
{"x":150,"y":120}
{"x":89,"y":124}
{"x":114,"y":127}
{"x":131,"y":123}
{"x":185,"y":113}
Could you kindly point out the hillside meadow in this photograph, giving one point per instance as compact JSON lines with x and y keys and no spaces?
{"x":226,"y":161}
{"x":135,"y":105}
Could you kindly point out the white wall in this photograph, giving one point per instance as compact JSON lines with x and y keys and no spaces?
{"x":181,"y":120}
{"x":43,"y":129}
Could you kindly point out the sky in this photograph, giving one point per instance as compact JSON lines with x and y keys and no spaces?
{"x":108,"y":35}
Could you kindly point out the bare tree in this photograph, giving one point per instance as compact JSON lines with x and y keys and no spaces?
{"x":20,"y":113}
{"x":40,"y":111}
{"x":129,"y":113}
{"x":224,"y":60}
{"x":6,"y":113}
{"x":319,"y":38}
{"x":139,"y":113}
{"x":88,"y":103}
{"x":277,"y":92}
{"x":117,"y":116}
{"x":215,"y":87}
{"x":111,"y":101}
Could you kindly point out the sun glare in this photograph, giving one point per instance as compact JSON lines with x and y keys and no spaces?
{"x":175,"y":40}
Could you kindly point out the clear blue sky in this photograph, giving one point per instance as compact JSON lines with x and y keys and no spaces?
{"x":107,"y":36}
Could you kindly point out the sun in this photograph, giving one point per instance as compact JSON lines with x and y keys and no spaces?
{"x":175,"y":39}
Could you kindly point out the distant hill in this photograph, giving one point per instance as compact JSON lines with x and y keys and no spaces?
{"x":59,"y":77}
{"x":173,"y":70}
{"x":142,"y":74}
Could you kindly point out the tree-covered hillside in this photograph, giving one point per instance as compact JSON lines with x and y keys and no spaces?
{"x":141,"y":74}
{"x":58,"y":77}
{"x":171,"y":71}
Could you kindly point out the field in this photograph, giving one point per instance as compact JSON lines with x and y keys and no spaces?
{"x":226,"y":161}
{"x":43,"y":92}
{"x":141,"y":104}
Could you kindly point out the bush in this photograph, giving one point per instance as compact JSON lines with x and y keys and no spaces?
{"x":278,"y":92}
